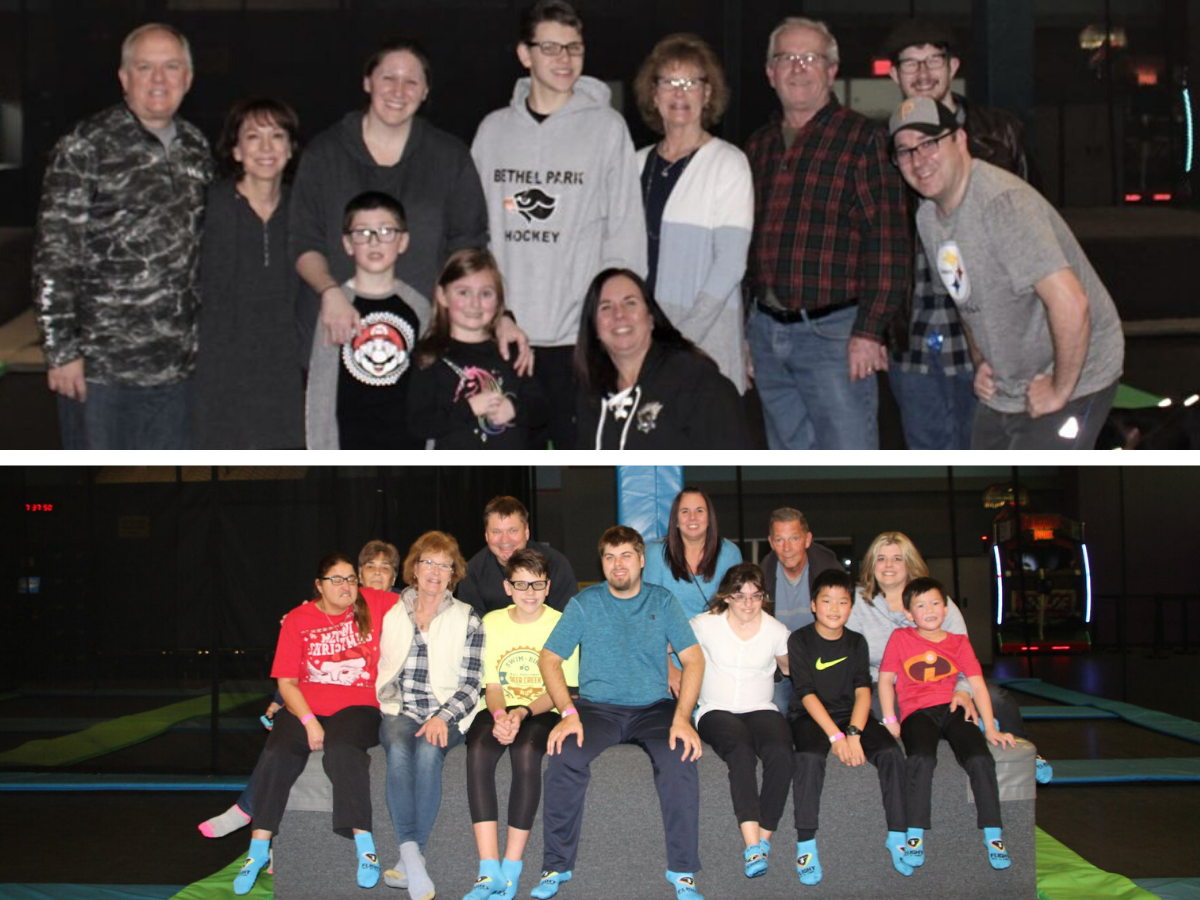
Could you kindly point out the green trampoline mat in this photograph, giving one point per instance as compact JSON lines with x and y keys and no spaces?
{"x":1065,"y":875}
{"x":117,"y":733}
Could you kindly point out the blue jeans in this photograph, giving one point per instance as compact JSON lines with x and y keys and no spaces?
{"x":783,"y":694}
{"x":802,"y":375}
{"x":123,"y":417}
{"x":938,"y":410}
{"x":414,"y":776}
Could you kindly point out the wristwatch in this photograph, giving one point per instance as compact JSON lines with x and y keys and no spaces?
{"x":852,"y":730}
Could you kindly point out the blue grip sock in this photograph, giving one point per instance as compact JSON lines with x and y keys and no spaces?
{"x":368,"y":862}
{"x":997,"y":852}
{"x":896,"y":846}
{"x":256,"y":858}
{"x":766,"y":848}
{"x":511,"y":870}
{"x":914,"y":847}
{"x":684,"y":884}
{"x":548,"y":886}
{"x":756,"y":861}
{"x":1044,"y":771}
{"x":490,"y":881}
{"x":808,"y":864}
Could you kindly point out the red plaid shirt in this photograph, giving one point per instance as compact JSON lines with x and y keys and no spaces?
{"x":830,"y":219}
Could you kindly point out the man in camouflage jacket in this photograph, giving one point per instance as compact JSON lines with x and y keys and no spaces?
{"x":116,"y":257}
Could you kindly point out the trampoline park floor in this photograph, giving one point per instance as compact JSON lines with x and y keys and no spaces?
{"x":1140,"y":830}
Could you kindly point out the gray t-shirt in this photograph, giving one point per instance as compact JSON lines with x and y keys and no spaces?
{"x":792,"y":606}
{"x":989,"y":253}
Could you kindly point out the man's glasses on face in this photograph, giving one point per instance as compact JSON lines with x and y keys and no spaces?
{"x":528,"y":585}
{"x":920,"y":150}
{"x":385,"y":234}
{"x":803,"y":60}
{"x":554,"y":48}
{"x":933,"y":63}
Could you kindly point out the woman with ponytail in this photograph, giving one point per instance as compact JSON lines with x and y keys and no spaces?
{"x":326,"y":663}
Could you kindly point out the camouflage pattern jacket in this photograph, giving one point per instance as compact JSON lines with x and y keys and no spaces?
{"x":116,"y":258}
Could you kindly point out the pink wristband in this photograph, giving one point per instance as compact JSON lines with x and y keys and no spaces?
{"x":569,"y":711}
{"x":497,"y":713}
{"x":888,"y":721}
{"x":834,"y":738}
{"x":304,"y":721}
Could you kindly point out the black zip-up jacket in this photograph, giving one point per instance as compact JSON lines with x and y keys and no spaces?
{"x":116,"y":259}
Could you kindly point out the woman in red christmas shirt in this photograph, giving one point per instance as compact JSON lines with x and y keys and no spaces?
{"x":326,"y":663}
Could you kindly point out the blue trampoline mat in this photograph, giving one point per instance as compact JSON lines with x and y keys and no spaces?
{"x":1163,"y":723}
{"x":1171,"y":888}
{"x":1113,"y":771}
{"x":88,"y":891}
{"x":72,"y":781}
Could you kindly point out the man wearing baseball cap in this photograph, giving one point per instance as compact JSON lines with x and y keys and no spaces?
{"x":931,"y":375}
{"x":1044,"y":333}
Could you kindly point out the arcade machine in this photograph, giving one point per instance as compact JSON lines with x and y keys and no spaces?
{"x":1043,"y":581}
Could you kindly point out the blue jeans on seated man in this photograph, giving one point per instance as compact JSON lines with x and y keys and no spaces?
{"x":127,"y":417}
{"x":802,"y":376}
{"x":414,"y":776}
{"x":937,"y":410}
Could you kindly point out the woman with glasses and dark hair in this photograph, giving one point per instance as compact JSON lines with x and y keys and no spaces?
{"x":743,"y":644}
{"x":699,"y":199}
{"x":386,"y":147}
{"x":430,"y":675}
{"x":248,"y":388}
{"x":642,"y":384}
{"x":326,"y":664}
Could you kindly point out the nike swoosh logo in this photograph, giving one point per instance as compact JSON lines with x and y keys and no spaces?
{"x":821,"y":667}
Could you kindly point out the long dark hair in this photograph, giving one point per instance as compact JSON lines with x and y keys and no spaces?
{"x":362,"y":612}
{"x":594,"y":368}
{"x":674,"y":551}
{"x":436,"y":342}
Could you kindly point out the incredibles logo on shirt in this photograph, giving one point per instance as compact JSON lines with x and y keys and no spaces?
{"x":929,"y":666}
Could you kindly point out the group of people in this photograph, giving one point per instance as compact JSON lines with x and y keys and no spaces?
{"x":682,"y":644}
{"x":551,"y":286}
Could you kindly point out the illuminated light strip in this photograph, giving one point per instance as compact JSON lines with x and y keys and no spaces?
{"x":999,"y":586}
{"x":1189,"y":146}
{"x":1087,"y":582}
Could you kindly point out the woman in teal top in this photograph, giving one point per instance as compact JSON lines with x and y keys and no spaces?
{"x":692,"y":560}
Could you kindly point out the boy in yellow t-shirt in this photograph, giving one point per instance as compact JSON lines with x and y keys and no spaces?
{"x":522,"y":716}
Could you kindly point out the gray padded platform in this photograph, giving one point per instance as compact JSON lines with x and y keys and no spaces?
{"x":622,"y":855}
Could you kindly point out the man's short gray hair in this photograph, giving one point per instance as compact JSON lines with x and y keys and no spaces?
{"x":142,"y":30}
{"x":831,"y":44}
{"x":788,"y":514}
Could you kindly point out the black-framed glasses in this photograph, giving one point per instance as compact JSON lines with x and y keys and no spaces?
{"x":339,"y":580}
{"x":935,"y":62}
{"x":920,"y":150}
{"x":687,"y":85}
{"x":804,"y":60}
{"x":385,"y":234}
{"x":554,"y":48}
{"x":526,"y":585}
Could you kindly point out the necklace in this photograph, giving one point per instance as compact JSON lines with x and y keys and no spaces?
{"x":342,"y":615}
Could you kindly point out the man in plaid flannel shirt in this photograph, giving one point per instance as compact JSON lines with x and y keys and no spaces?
{"x":933,"y":379}
{"x":831,"y":255}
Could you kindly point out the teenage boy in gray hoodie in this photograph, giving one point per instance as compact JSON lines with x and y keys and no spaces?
{"x":561,"y":183}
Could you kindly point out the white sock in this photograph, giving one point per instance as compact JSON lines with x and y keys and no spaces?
{"x":420,"y":885}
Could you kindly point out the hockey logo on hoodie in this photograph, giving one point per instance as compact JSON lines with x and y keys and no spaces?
{"x":532,"y":204}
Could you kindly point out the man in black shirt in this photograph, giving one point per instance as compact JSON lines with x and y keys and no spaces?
{"x":506,"y":529}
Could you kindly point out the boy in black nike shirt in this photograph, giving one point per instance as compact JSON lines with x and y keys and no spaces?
{"x":831,"y":710}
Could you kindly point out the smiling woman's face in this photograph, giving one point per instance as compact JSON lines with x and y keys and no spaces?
{"x":623,"y":321}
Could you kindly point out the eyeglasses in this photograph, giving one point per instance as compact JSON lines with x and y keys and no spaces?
{"x":933,"y":63}
{"x":554,"y":48}
{"x":433,"y":564}
{"x":805,"y":60}
{"x":339,"y":580}
{"x":748,"y":598}
{"x":527,"y":585}
{"x":687,"y":85}
{"x":922,"y":150}
{"x":386,"y":234}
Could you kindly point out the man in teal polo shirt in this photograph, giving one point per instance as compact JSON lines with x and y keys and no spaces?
{"x":623,"y":628}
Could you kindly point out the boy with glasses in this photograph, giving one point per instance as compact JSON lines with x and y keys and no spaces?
{"x":932,"y":377}
{"x":355,"y":398}
{"x":561,"y":183}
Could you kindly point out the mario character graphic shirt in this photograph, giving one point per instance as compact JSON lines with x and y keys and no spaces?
{"x":372,"y":377}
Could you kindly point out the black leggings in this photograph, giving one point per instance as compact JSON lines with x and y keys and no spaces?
{"x":525,"y":755}
{"x":921,"y":732}
{"x":741,"y":740}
